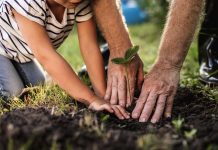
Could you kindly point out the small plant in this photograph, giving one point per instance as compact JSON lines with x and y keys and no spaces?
{"x":90,"y":122}
{"x":212,"y":147}
{"x":10,"y":144}
{"x":54,"y":145}
{"x":178,"y":124}
{"x":104,"y":118}
{"x":153,"y":142}
{"x":129,"y":55}
{"x":190,"y":134}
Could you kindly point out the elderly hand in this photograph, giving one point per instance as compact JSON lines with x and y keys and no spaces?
{"x":157,"y":94}
{"x":116,"y":91}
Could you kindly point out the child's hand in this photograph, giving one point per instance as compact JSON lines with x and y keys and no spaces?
{"x":100,"y":105}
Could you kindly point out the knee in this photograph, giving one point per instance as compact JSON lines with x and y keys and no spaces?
{"x":9,"y":91}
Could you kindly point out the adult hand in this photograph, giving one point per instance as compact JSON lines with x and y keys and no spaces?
{"x":157,"y":94}
{"x":100,"y":105}
{"x":116,"y":91}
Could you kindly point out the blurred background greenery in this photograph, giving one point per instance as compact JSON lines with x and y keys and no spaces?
{"x":148,"y":40}
{"x":147,"y":35}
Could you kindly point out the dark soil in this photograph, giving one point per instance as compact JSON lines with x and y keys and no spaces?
{"x":37,"y":129}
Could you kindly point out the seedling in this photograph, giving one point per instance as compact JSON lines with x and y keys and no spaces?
{"x":129,"y":56}
{"x":104,"y":118}
{"x":190,"y":134}
{"x":153,"y":142}
{"x":178,"y":124}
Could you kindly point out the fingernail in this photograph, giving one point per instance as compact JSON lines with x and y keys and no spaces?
{"x":127,"y":117}
{"x":142,"y":120}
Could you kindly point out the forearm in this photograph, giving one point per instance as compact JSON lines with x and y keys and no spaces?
{"x":182,"y":20}
{"x":65,"y":77}
{"x":94,"y":63}
{"x":109,"y":18}
{"x":92,"y":55}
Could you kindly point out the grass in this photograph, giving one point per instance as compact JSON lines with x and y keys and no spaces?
{"x":56,"y":100}
{"x":52,"y":97}
{"x":147,"y":36}
{"x":148,"y":40}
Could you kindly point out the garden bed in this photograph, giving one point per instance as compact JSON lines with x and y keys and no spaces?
{"x":35,"y":129}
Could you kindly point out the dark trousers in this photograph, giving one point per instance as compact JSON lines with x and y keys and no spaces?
{"x":208,"y":35}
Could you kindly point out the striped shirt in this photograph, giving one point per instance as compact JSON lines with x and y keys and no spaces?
{"x":13,"y":45}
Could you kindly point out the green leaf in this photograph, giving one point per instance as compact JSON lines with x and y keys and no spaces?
{"x":130,"y":53}
{"x":119,"y":61}
{"x":105,"y":118}
{"x":190,"y":134}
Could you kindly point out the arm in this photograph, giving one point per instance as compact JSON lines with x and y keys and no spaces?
{"x":160,"y":84}
{"x":179,"y":31}
{"x":53,"y":63}
{"x":59,"y":69}
{"x":92,"y":55}
{"x":110,"y":20}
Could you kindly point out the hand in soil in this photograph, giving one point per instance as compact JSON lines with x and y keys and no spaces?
{"x":101,"y":105}
{"x":116,"y":91}
{"x":157,"y":94}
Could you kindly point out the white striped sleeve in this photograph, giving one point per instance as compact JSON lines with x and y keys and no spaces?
{"x":33,"y":10}
{"x":83,"y":11}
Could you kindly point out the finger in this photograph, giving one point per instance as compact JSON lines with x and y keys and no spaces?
{"x":124,"y":112}
{"x":148,"y":107}
{"x":169,"y":105}
{"x":114,"y":99}
{"x":108,"y":108}
{"x":118,"y":113}
{"x":131,"y":90}
{"x":140,"y":78}
{"x":140,"y":104}
{"x":159,"y":108}
{"x":122,"y":92}
{"x":109,"y":89}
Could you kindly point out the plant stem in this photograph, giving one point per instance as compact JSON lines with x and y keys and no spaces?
{"x":127,"y":79}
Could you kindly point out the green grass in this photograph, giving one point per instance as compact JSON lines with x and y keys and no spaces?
{"x":70,"y":50}
{"x":146,"y":35}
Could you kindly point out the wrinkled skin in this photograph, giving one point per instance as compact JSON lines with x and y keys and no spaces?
{"x":161,"y":82}
{"x":116,"y":34}
{"x":158,"y":91}
{"x":117,"y":86}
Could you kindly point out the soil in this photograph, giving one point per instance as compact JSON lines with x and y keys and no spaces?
{"x":38,"y":129}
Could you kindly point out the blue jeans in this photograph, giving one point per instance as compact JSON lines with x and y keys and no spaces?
{"x":14,"y":76}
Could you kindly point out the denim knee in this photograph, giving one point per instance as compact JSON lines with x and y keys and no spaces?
{"x":4,"y":94}
{"x":7,"y":92}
